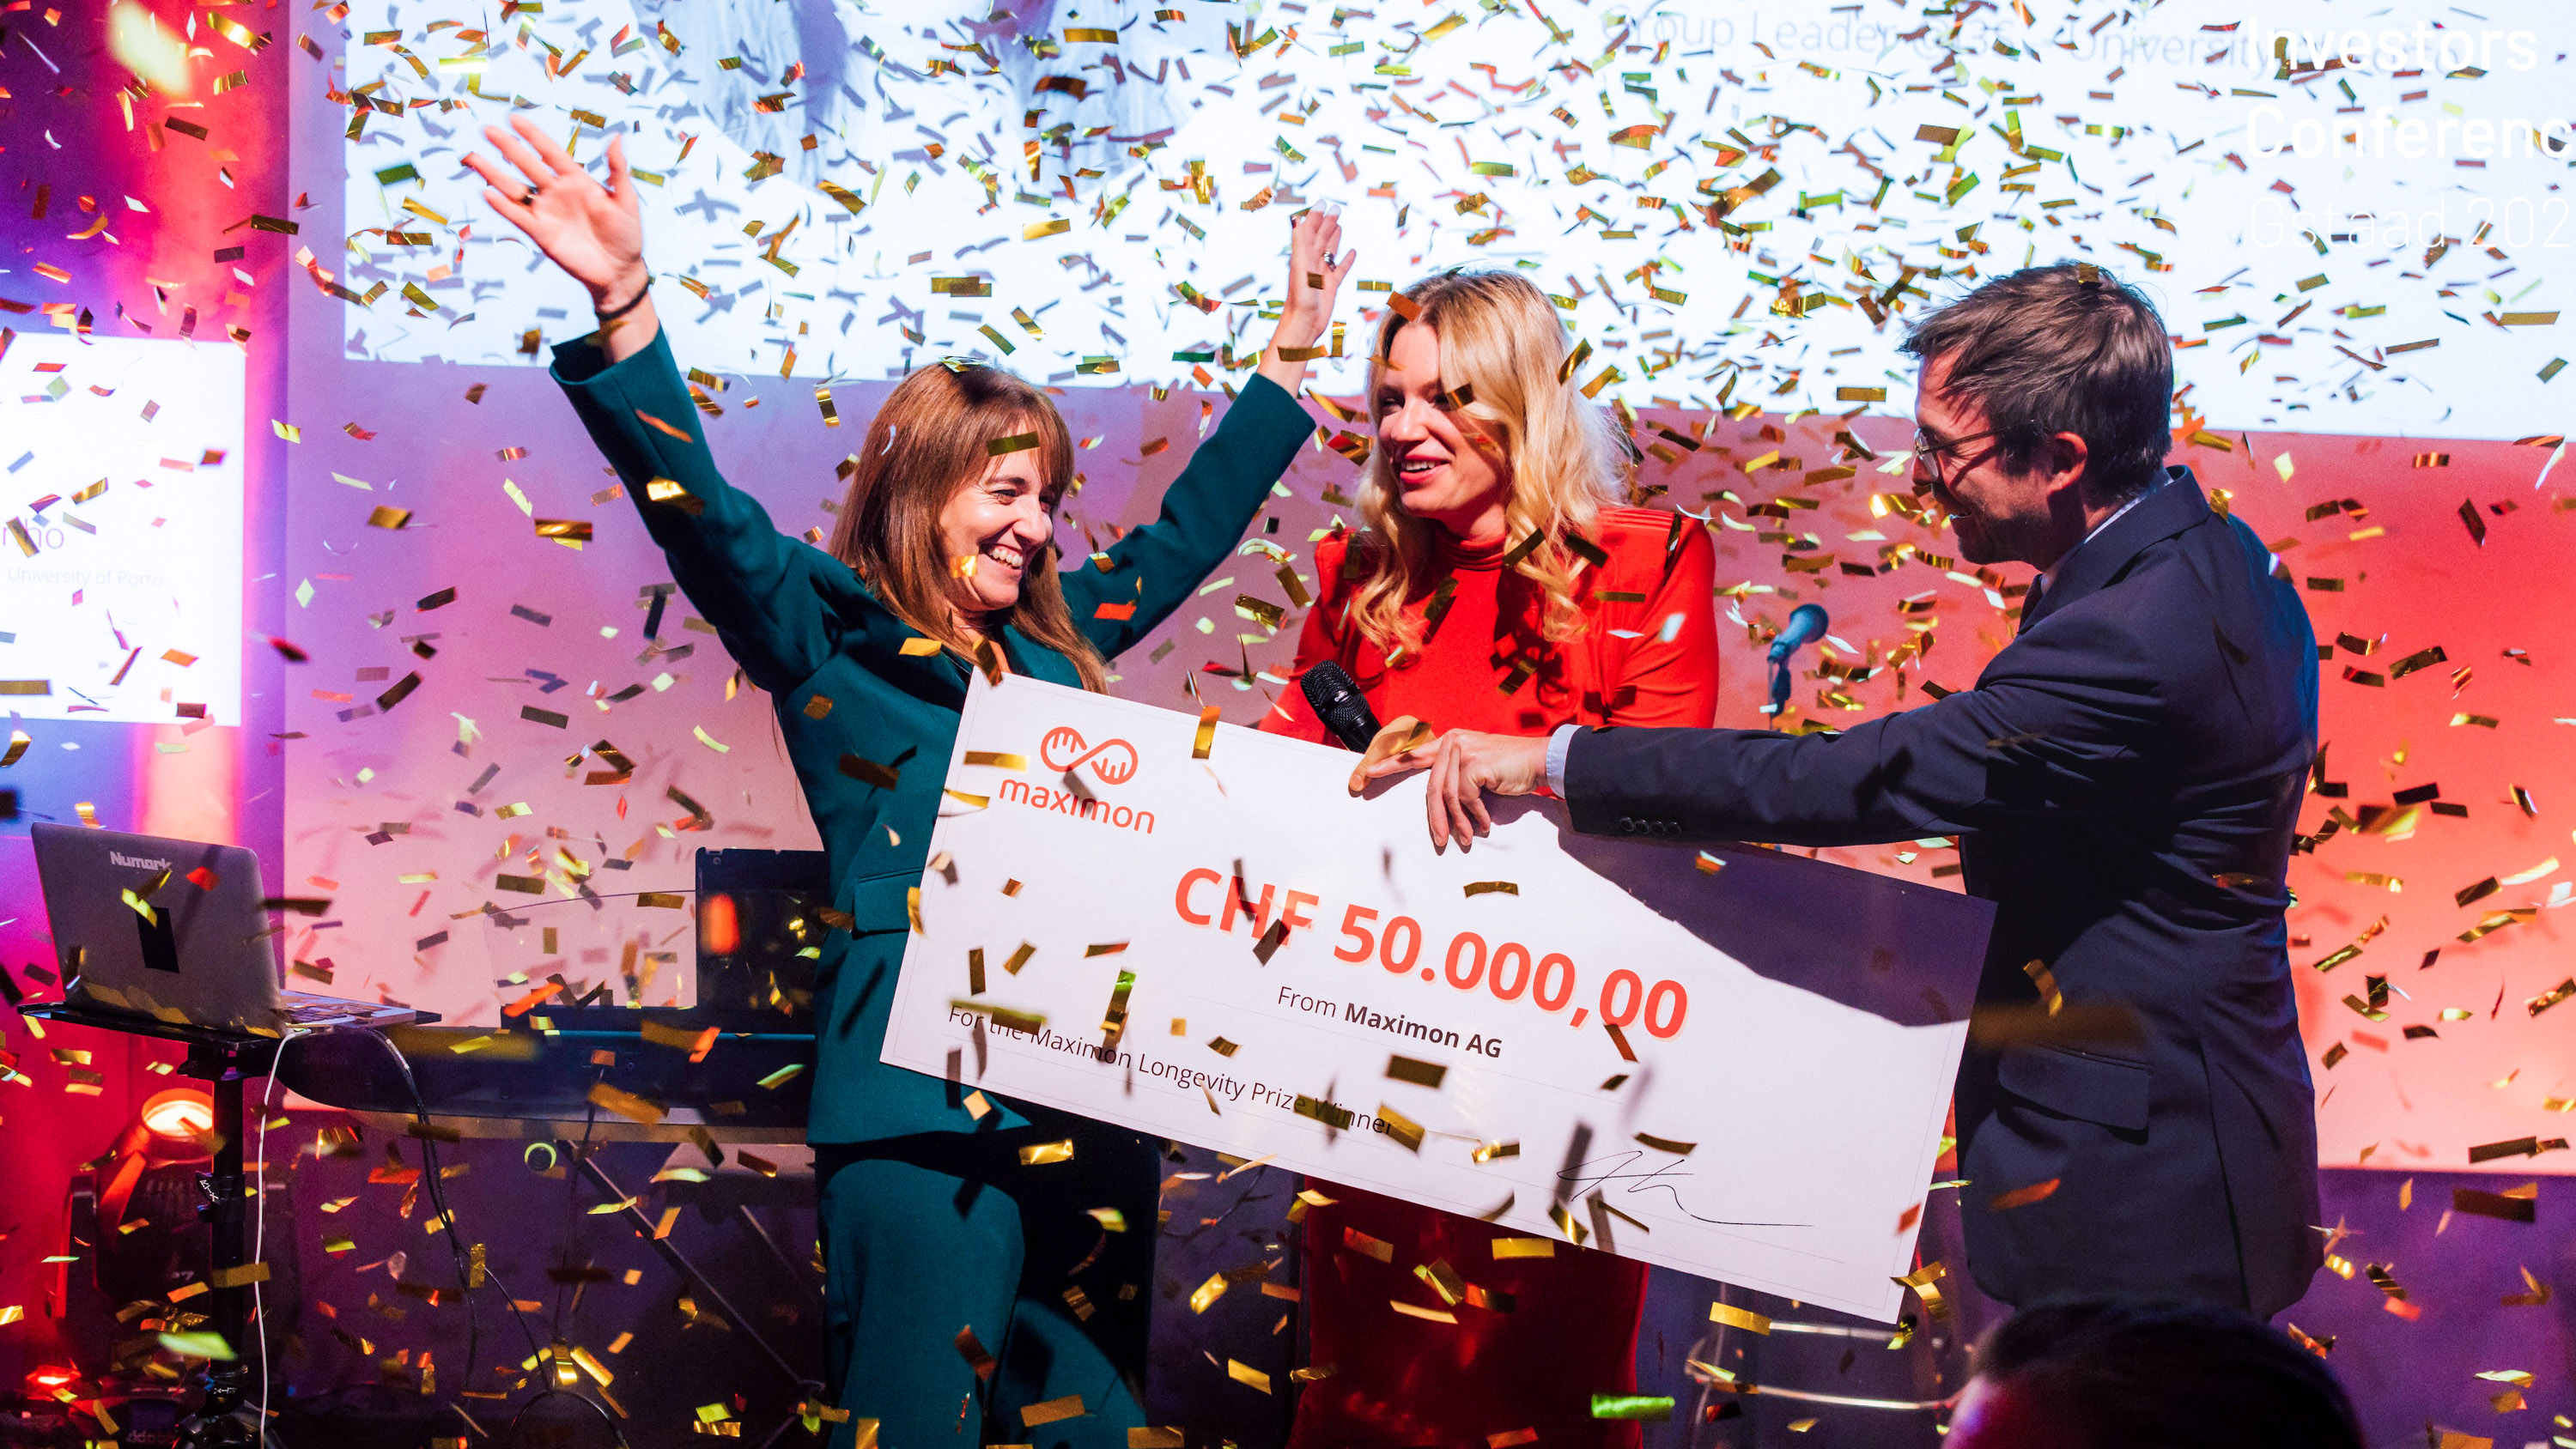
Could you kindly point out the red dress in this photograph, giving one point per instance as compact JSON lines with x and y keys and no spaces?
{"x":1401,"y":1382}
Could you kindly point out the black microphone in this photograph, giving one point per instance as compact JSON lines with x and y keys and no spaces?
{"x":1338,"y":703}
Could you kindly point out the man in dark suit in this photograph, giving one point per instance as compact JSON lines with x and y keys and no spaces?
{"x":2125,"y":780}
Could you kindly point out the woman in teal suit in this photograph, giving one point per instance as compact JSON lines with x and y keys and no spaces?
{"x":957,"y":1274}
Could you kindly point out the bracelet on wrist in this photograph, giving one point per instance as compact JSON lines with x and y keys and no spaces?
{"x":629,"y":305}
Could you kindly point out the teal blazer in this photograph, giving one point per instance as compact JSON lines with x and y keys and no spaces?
{"x":806,"y":629}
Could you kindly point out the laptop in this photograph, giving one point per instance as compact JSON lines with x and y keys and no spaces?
{"x":175,"y":930}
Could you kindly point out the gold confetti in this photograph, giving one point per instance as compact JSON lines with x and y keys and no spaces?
{"x":2513,"y":1205}
{"x":2537,"y":1295}
{"x":1924,"y":1281}
{"x":869,"y":772}
{"x":1068,"y":1407}
{"x":1403,"y":1129}
{"x":1619,"y":1039}
{"x":1421,"y":1074}
{"x":1038,"y":1154}
{"x":1734,"y":1317}
{"x":1206,"y":735}
{"x":2041,"y":977}
{"x":627,"y":1104}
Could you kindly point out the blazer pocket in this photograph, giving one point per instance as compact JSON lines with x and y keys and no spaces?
{"x":2106,"y":1090}
{"x":882,"y":903}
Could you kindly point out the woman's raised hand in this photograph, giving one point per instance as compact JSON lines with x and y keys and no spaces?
{"x":594,"y":232}
{"x":1314,"y":281}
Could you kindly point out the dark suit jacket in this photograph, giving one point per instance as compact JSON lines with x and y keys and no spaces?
{"x":2125,"y":780}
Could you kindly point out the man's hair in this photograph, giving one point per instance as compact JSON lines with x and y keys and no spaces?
{"x":2067,"y":348}
{"x":2123,"y":1374}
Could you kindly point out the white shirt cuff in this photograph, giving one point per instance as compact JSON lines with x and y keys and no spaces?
{"x":1559,"y":745}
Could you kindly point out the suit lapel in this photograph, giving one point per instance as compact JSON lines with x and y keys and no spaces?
{"x":2030,"y":610}
{"x":2175,"y":505}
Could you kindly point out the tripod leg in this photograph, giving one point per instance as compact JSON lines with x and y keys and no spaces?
{"x":218,"y":1424}
{"x":751,"y":1220}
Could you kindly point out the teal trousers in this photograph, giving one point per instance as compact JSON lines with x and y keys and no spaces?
{"x":927,"y":1235}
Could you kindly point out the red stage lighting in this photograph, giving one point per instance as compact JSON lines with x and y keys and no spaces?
{"x":719,"y":928}
{"x":178,"y":1115}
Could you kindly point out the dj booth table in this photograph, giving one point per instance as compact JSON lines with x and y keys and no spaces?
{"x":541,"y":1085}
{"x":547,"y":1085}
{"x":224,"y":1060}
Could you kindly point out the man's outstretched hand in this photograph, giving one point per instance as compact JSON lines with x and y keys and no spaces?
{"x":1464,"y":765}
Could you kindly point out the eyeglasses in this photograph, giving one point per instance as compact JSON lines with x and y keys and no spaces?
{"x":1944,"y":450}
{"x":1943,"y":453}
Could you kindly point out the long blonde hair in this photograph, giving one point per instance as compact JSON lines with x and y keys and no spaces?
{"x":1502,"y":345}
{"x":931,"y":438}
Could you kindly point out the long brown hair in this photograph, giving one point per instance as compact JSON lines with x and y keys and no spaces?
{"x":933,"y":437}
{"x":1502,"y":345}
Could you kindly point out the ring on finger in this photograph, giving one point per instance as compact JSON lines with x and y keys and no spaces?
{"x":528,"y":197}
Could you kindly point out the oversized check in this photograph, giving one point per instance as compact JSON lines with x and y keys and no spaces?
{"x":1734,"y":1063}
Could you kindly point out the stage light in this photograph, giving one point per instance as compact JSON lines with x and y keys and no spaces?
{"x":719,"y":928}
{"x":43,"y":1379}
{"x":136,"y":39}
{"x":179,"y":1115}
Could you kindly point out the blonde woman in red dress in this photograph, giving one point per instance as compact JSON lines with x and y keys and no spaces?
{"x":1498,"y":585}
